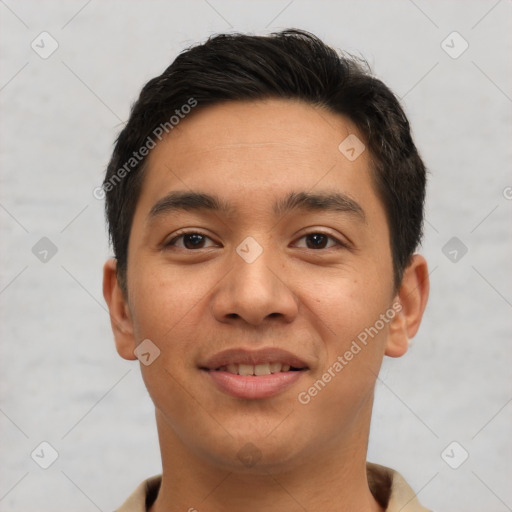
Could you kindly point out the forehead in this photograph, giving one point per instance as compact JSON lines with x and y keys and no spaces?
{"x":254,"y":154}
{"x":291,"y":124}
{"x":257,"y":142}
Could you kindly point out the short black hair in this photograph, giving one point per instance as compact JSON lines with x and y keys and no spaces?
{"x":291,"y":64}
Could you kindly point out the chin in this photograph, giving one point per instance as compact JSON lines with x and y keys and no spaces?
{"x":254,"y":455}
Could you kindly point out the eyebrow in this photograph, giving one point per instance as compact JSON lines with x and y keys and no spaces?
{"x":305,"y":201}
{"x":332,"y":201}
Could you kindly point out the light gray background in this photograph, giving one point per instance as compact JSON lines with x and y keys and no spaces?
{"x":62,"y":381}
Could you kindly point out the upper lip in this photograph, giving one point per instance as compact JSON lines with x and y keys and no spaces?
{"x":253,"y":357}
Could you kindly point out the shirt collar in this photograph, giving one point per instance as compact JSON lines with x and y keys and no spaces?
{"x":388,"y":486}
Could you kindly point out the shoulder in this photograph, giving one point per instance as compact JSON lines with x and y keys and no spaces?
{"x":143,"y":496}
{"x":391,"y":490}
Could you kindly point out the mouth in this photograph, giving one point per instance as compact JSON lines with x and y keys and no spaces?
{"x":254,"y":374}
{"x":257,"y":369}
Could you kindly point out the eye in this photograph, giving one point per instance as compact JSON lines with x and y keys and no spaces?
{"x":190,"y":240}
{"x":319,"y":240}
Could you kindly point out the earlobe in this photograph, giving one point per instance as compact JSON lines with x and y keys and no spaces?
{"x":120,"y":317}
{"x":410,"y":305}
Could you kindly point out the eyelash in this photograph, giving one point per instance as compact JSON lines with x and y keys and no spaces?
{"x":171,"y":243}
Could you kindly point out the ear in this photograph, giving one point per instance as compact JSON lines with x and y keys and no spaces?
{"x":120,"y":316}
{"x":410,"y":304}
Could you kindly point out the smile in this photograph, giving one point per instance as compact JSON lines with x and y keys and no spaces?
{"x":258,"y":369}
{"x":253,"y":374}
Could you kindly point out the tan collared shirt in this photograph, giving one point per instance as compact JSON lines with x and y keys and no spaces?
{"x":388,"y":487}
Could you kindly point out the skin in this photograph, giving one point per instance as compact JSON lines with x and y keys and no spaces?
{"x":193,"y":303}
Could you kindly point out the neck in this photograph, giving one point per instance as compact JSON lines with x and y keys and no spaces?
{"x":332,"y":480}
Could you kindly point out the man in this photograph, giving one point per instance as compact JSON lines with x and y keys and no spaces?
{"x":265,"y":200}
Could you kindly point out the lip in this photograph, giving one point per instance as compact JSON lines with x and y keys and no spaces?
{"x":253,"y":387}
{"x":254,"y":357}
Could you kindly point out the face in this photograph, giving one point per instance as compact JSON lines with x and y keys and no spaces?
{"x":259,"y":257}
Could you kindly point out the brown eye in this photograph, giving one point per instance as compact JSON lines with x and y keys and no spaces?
{"x":191,"y":240}
{"x":317,"y":240}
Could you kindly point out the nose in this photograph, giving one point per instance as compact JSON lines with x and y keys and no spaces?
{"x":254,"y":291}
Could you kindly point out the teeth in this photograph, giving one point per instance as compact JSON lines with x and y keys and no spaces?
{"x":275,"y":367}
{"x":245,"y":369}
{"x":262,"y":369}
{"x":258,"y":369}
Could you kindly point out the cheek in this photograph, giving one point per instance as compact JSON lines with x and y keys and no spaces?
{"x":348,"y":314}
{"x":347,"y":301}
{"x":353,"y":349}
{"x":163,"y":299}
{"x":166,"y":305}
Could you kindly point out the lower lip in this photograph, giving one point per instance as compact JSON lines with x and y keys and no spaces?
{"x":254,"y":387}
